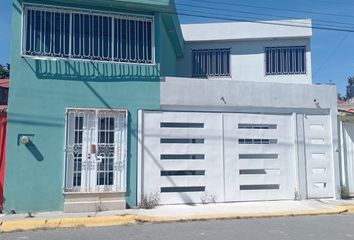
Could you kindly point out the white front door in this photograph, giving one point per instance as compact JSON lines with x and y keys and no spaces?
{"x":319,"y":163}
{"x":96,"y":151}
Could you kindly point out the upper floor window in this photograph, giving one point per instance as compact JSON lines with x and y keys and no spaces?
{"x":285,"y":60}
{"x":211,"y":62}
{"x":58,"y":33}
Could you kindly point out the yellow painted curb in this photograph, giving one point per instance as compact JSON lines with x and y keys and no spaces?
{"x":154,"y":219}
{"x":24,"y":225}
{"x":349,"y":209}
{"x":105,"y":221}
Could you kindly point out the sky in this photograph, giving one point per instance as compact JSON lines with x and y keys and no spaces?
{"x":332,"y":51}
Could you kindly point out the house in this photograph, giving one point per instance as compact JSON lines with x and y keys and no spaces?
{"x":255,"y":129}
{"x":113,"y":101}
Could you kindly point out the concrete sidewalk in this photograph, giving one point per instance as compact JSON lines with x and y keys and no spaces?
{"x":17,"y":222}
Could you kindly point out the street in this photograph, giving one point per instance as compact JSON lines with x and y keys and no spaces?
{"x":319,"y":227}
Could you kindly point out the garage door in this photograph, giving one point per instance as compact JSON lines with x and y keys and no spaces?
{"x":182,"y":156}
{"x":187,"y":157}
{"x":259,"y":157}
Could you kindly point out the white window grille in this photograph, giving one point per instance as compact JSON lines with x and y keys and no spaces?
{"x":96,"y":150}
{"x":211,"y":62}
{"x":62,"y":33}
{"x":285,"y":60}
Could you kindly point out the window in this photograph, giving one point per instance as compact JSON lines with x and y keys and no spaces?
{"x":211,"y":62}
{"x":285,"y":60}
{"x":59,"y":33}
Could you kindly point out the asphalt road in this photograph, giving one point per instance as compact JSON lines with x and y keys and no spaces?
{"x":320,"y":228}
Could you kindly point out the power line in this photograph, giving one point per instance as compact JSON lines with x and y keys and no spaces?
{"x":331,"y":54}
{"x":245,"y":19}
{"x":268,"y":15}
{"x":275,"y":9}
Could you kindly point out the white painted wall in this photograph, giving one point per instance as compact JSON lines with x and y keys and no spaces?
{"x":295,"y":28}
{"x":248,"y":59}
{"x":201,"y":94}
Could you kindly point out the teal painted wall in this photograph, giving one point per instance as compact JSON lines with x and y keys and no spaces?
{"x":168,"y":65}
{"x":40,"y":92}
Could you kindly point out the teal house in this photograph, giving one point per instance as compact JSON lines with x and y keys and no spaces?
{"x":82,"y":70}
{"x":113,"y":100}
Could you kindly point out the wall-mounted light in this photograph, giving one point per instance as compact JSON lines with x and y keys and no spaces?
{"x":223,"y":100}
{"x":317,"y":104}
{"x":25,"y":140}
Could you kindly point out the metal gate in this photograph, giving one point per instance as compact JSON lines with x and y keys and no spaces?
{"x":348,"y":153}
{"x":319,"y":164}
{"x":96,"y":150}
{"x":259,"y":157}
{"x":190,"y":157}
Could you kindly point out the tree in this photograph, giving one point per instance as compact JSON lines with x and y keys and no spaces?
{"x":4,"y":71}
{"x":351,"y":80}
{"x":340,"y":97}
{"x":350,"y":86}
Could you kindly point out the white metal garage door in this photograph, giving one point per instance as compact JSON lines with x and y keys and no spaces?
{"x":182,"y":156}
{"x":259,"y":157}
{"x":231,"y":157}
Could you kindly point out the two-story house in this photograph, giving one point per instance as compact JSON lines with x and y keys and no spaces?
{"x":112,"y":100}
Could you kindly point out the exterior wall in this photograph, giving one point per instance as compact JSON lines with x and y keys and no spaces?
{"x":206,"y":94}
{"x":248,"y":59}
{"x":168,"y":64}
{"x":40,"y":92}
{"x":247,"y":31}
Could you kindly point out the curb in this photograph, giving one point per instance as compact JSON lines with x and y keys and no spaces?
{"x":31,"y":225}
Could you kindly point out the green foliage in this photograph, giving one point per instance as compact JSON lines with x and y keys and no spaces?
{"x":4,"y":71}
{"x":344,"y":192}
{"x":351,"y":80}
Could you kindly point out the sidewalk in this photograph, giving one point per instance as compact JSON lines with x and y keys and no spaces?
{"x":168,"y":213}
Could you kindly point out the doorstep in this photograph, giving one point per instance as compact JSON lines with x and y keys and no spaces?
{"x":94,"y":202}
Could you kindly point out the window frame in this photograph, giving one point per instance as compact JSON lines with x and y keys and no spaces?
{"x":73,"y":10}
{"x":304,"y":46}
{"x":206,"y":50}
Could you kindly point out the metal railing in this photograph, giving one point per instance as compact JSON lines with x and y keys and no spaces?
{"x":211,"y":62}
{"x":61,"y":33}
{"x":285,"y":60}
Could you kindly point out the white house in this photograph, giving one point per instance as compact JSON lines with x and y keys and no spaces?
{"x":242,"y":121}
